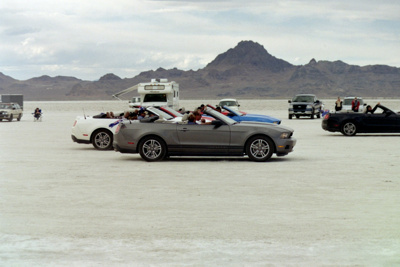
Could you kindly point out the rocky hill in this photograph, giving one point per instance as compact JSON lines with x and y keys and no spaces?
{"x":245,"y":71}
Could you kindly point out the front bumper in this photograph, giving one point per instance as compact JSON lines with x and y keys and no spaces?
{"x":285,"y":146}
{"x":79,"y":141}
{"x":300,"y":112}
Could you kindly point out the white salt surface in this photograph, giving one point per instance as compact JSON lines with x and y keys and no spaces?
{"x":333,"y":201}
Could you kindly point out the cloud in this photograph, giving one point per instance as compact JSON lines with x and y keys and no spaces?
{"x":87,"y":39}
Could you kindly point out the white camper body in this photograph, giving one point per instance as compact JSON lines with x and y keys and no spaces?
{"x":158,"y":92}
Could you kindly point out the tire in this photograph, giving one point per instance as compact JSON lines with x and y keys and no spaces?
{"x":11,"y":117}
{"x":312,"y":114}
{"x":319,"y":114}
{"x":102,"y":140}
{"x":19,"y":117}
{"x":348,"y":128}
{"x":290,"y":116}
{"x":152,"y":148}
{"x":259,"y":148}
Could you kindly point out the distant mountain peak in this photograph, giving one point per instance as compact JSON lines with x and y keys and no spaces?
{"x":248,"y":54}
{"x":109,"y":76}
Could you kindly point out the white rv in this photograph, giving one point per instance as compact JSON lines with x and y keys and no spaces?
{"x":158,"y":92}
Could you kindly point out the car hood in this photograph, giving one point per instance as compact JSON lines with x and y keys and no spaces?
{"x":259,"y":116}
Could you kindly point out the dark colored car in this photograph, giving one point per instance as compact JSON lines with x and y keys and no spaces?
{"x":305,"y":105}
{"x":157,"y":138}
{"x":383,"y":120}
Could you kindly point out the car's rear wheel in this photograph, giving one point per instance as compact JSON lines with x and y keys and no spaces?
{"x":102,"y":139}
{"x":152,"y":148}
{"x":349,"y":128}
{"x":11,"y":117}
{"x":259,"y":148}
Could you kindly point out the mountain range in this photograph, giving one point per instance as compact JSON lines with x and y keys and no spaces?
{"x":245,"y":71}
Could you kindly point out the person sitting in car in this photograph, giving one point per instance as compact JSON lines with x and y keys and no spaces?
{"x":191,"y":119}
{"x":371,"y":110}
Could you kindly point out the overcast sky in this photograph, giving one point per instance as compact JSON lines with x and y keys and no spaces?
{"x":88,"y":39}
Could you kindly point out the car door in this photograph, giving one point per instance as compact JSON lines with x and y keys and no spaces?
{"x":381,"y":123}
{"x":203,"y":139}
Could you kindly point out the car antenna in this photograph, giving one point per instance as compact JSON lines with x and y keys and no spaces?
{"x":84,"y":115}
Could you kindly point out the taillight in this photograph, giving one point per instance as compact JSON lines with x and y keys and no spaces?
{"x":74,"y":123}
{"x":326,"y":116}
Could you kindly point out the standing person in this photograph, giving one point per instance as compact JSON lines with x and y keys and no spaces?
{"x":355,"y":105}
{"x":338,"y":104}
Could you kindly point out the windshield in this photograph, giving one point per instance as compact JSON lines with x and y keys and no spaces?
{"x":173,"y":111}
{"x":219,"y":116}
{"x":303,"y":98}
{"x":6,"y":106}
{"x":160,"y":113}
{"x":228,"y":103}
{"x":155,"y":98}
{"x":232,"y":111}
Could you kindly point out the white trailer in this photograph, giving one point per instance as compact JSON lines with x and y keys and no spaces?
{"x":158,"y":92}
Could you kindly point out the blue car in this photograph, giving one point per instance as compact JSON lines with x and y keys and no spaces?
{"x":237,"y":116}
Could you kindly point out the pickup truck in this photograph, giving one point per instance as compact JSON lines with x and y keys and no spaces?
{"x":305,"y":105}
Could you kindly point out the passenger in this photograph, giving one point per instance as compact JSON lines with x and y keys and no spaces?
{"x":108,"y":116}
{"x":202,"y":107}
{"x":182,"y":110}
{"x":140,"y":114}
{"x":355,"y":105}
{"x":112,"y":114}
{"x":199,"y":119}
{"x":197,"y":116}
{"x":371,"y":110}
{"x":218,"y":109}
{"x":338,"y":104}
{"x":192,"y":119}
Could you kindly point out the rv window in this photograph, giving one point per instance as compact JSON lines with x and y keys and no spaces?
{"x":154,"y":87}
{"x":155,"y":98}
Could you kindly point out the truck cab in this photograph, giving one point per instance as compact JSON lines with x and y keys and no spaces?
{"x":305,"y":105}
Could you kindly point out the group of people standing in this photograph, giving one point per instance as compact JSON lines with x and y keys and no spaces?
{"x":355,"y":106}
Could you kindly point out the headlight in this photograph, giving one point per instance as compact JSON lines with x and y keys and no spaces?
{"x":309,"y":106}
{"x":286,"y":135}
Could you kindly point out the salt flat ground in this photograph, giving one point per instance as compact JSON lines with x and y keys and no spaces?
{"x":333,"y":201}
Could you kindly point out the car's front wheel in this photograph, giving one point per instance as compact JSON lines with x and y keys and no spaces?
{"x":102,"y":140}
{"x":19,"y":117}
{"x":152,"y":148}
{"x":259,"y":148}
{"x":349,"y":128}
{"x":11,"y":117}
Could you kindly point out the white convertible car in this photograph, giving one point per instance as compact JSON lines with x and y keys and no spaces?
{"x":99,"y":130}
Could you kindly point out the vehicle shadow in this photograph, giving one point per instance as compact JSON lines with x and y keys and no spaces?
{"x":363,"y":135}
{"x":210,"y":159}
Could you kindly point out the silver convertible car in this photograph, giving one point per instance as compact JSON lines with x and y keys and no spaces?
{"x":156,"y":138}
